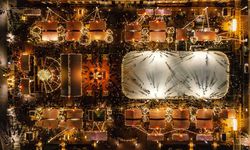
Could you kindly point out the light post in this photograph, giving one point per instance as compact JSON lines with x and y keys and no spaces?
{"x":235,"y":129}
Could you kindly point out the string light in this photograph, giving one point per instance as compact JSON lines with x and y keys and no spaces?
{"x":127,"y":140}
{"x":191,"y":144}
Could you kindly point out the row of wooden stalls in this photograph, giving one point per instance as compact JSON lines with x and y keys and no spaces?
{"x":159,"y":32}
{"x":52,"y":30}
{"x":89,"y":125}
{"x":150,"y":26}
{"x":26,"y":66}
{"x":181,"y":125}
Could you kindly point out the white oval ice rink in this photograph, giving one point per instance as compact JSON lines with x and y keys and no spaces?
{"x":167,"y":75}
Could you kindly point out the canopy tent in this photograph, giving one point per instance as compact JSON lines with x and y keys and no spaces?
{"x":163,"y":74}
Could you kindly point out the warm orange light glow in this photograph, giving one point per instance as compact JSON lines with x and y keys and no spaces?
{"x":23,"y":18}
{"x":159,"y":145}
{"x":191,"y":145}
{"x":234,"y":25}
{"x":215,"y":145}
{"x":99,"y":74}
{"x":235,"y":124}
{"x":26,"y":53}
